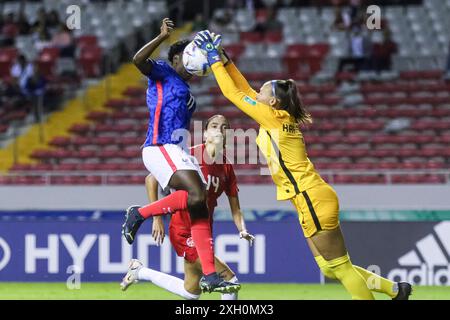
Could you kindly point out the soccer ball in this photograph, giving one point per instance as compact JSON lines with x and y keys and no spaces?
{"x":195,"y":61}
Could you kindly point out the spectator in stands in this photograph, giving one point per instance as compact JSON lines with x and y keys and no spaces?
{"x":22,"y":21}
{"x":11,"y":92}
{"x":342,"y":19}
{"x":41,"y":38}
{"x":361,"y":51}
{"x":35,"y":86}
{"x":9,"y":30}
{"x":35,"y":83}
{"x":63,"y":40}
{"x":20,"y":72}
{"x":223,"y":23}
{"x":382,"y":52}
{"x":199,"y":23}
{"x":53,"y":22}
{"x":23,"y":24}
{"x":447,"y":75}
{"x":41,"y":18}
{"x":270,"y":23}
{"x":356,"y":13}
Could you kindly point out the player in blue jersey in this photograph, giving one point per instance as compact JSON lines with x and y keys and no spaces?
{"x":171,"y":105}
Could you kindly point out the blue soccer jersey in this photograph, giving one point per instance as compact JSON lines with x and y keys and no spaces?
{"x":170,"y":104}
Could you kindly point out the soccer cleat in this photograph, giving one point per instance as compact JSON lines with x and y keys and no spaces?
{"x":214,"y":283}
{"x":132,"y":275}
{"x":133,"y":221}
{"x":404,"y":291}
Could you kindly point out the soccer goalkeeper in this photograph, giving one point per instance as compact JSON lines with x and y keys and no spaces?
{"x":278,"y":110}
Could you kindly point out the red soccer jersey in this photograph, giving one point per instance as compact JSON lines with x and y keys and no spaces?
{"x":219,"y":178}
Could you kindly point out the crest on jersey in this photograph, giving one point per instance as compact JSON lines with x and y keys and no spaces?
{"x":190,"y":242}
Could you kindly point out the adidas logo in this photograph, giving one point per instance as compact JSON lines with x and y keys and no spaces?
{"x":429,"y":262}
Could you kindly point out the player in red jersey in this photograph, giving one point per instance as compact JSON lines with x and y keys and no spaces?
{"x":220,"y":178}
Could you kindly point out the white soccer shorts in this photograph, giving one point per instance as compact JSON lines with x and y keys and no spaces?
{"x":163,"y":161}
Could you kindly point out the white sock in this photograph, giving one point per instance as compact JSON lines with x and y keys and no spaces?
{"x":231,"y":296}
{"x":168,"y":282}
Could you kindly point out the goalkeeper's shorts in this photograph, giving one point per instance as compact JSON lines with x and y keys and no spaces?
{"x":318,"y":209}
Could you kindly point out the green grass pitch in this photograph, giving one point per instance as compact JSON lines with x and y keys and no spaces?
{"x":106,"y":291}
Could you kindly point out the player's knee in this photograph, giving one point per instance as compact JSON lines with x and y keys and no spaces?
{"x":324,"y":267}
{"x":328,"y":272}
{"x":197,"y":205}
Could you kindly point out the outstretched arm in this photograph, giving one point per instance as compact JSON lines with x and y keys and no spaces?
{"x":158,"y":232}
{"x":238,"y":219}
{"x":142,"y":58}
{"x":261,"y":113}
{"x":240,"y":80}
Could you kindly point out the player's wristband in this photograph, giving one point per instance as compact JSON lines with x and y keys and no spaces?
{"x":225,"y":58}
{"x":213,"y":56}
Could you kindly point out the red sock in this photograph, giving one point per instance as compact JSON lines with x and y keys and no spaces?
{"x":201,"y":234}
{"x":173,"y":202}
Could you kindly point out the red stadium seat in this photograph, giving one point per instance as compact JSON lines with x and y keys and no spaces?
{"x":91,"y":180}
{"x":235,"y":50}
{"x":85,"y":154}
{"x":42,"y":154}
{"x":89,"y":166}
{"x":139,"y":180}
{"x":7,"y":57}
{"x":87,"y":41}
{"x":66,"y":167}
{"x":81,"y":129}
{"x":273,"y":37}
{"x":132,"y":166}
{"x":3,"y":128}
{"x":21,"y":167}
{"x":117,"y":103}
{"x":90,"y":58}
{"x":104,"y":141}
{"x":135,"y":91}
{"x":46,"y":61}
{"x":253,"y":37}
{"x":60,"y":142}
{"x":109,"y":167}
{"x":42,"y":167}
{"x":98,"y":116}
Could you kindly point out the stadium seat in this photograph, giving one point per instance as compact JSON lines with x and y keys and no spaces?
{"x":47,"y":61}
{"x":90,"y":58}
{"x":251,"y":37}
{"x":87,"y":41}
{"x":7,"y":57}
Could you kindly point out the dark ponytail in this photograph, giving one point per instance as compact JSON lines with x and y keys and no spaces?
{"x":287,"y":93}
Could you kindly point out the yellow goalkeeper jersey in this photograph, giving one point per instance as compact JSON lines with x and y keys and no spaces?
{"x":279,"y":138}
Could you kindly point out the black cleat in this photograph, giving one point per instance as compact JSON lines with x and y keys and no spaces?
{"x":214,"y":283}
{"x":133,"y":221}
{"x":404,"y":291}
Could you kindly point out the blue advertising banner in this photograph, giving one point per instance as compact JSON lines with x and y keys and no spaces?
{"x":52,"y":246}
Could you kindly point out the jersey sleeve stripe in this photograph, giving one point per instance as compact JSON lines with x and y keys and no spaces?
{"x":159,"y":90}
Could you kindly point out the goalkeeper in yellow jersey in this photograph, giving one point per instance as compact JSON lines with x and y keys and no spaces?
{"x":279,"y":111}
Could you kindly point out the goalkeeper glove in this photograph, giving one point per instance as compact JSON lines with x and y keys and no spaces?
{"x":205,"y":42}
